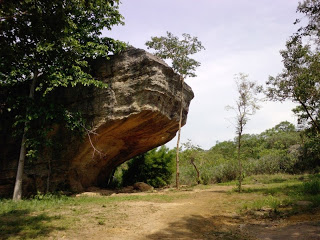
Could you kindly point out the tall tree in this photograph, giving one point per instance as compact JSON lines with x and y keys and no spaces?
{"x":300,"y":79}
{"x":246,"y":105}
{"x":47,"y":44}
{"x":171,"y":47}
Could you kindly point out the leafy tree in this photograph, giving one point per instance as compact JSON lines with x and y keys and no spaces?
{"x":170,"y":47}
{"x":154,"y":167}
{"x":300,"y":78}
{"x":251,"y":145}
{"x":309,"y":161}
{"x":272,"y":151}
{"x":45,"y":45}
{"x":246,"y":105}
{"x":212,"y":166}
{"x":278,"y":149}
{"x":282,"y":136}
{"x":225,"y":149}
{"x":284,"y":126}
{"x":193,"y":154}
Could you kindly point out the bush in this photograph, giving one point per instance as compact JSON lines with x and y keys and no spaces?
{"x":312,"y":187}
{"x":309,"y":161}
{"x":273,"y":161}
{"x":225,"y":172}
{"x":155,"y":168}
{"x":267,"y":164}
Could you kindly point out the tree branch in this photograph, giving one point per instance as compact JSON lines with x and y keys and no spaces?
{"x":91,"y":143}
{"x":310,"y":116}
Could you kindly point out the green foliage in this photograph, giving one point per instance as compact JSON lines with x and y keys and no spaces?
{"x":311,"y":187}
{"x":276,"y":150}
{"x":45,"y":45}
{"x":270,"y":201}
{"x":309,"y":161}
{"x":225,"y":172}
{"x":194,"y":156}
{"x":225,"y":149}
{"x":268,"y":163}
{"x":281,"y":136}
{"x":178,"y":52}
{"x":215,"y":165}
{"x":299,"y":80}
{"x":154,"y":167}
{"x":170,"y":47}
{"x":282,"y":192}
{"x":55,"y":40}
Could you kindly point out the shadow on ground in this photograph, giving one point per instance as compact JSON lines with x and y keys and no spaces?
{"x":199,"y":227}
{"x":298,"y":231}
{"x":22,"y":224}
{"x":233,"y":228}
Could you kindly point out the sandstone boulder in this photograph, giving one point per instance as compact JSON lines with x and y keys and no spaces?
{"x":142,"y":187}
{"x":137,"y":112}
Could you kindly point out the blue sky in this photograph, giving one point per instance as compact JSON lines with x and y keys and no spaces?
{"x":239,"y":36}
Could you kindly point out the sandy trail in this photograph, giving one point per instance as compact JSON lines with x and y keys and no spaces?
{"x":200,"y":214}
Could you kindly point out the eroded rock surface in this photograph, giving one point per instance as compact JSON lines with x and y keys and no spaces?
{"x":137,"y":112}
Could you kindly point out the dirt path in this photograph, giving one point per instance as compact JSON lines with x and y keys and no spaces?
{"x":199,"y":214}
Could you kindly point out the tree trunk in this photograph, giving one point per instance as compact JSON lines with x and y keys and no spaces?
{"x":49,"y":175}
{"x":111,"y":177}
{"x":239,"y":162}
{"x":197,"y":170}
{"x":17,"y":192}
{"x":315,"y":124}
{"x":179,"y":133}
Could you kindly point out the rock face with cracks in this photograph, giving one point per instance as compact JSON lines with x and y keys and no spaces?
{"x":137,"y":112}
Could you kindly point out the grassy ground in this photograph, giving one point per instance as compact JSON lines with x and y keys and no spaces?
{"x":38,"y":217}
{"x":284,"y":194}
{"x":263,"y":196}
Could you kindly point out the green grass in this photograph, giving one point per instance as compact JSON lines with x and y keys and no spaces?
{"x":58,"y":202}
{"x":276,"y":178}
{"x":281,"y":192}
{"x":267,"y":202}
{"x":26,"y":225}
{"x":268,"y":179}
{"x":38,"y":217}
{"x":47,"y":214}
{"x":312,"y":187}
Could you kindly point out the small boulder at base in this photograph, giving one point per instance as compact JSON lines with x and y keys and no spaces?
{"x":304,"y":203}
{"x":143,"y":187}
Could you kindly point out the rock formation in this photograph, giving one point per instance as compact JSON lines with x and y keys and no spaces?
{"x":137,"y":112}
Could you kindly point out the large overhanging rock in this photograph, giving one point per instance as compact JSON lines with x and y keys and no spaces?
{"x":137,"y":112}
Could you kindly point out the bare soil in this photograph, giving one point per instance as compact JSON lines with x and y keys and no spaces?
{"x":211,"y":213}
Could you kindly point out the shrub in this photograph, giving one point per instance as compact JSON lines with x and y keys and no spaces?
{"x":309,"y":161}
{"x":155,"y":167}
{"x":312,"y":187}
{"x":227,"y":171}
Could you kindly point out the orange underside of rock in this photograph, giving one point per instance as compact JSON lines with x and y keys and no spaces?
{"x":117,"y":142}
